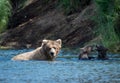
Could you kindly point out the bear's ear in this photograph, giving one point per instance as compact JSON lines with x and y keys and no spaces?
{"x":59,"y":41}
{"x":44,"y":41}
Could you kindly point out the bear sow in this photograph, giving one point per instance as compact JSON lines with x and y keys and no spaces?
{"x":48,"y":51}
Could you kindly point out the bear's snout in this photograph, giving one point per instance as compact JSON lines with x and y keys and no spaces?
{"x":53,"y":52}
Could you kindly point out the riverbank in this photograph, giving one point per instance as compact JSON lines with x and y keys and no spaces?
{"x":76,"y":24}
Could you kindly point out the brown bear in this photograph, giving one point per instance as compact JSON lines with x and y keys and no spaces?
{"x":48,"y":51}
{"x":85,"y":51}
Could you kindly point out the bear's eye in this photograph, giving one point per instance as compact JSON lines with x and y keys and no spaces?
{"x":55,"y":48}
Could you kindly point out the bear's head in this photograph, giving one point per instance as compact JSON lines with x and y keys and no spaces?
{"x":86,"y":49}
{"x":51,"y":48}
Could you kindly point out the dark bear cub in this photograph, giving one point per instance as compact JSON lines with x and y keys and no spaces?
{"x":102,"y":52}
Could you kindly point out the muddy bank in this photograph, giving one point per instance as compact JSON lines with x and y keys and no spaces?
{"x":38,"y":21}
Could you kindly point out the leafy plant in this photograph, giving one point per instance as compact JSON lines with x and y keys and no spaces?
{"x":5,"y":12}
{"x":106,"y":18}
{"x":70,"y":6}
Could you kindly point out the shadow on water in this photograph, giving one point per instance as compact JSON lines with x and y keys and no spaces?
{"x":63,"y":70}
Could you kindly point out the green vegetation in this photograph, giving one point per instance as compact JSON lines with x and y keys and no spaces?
{"x":19,"y":4}
{"x":70,"y":6}
{"x":5,"y":12}
{"x":107,"y":15}
{"x":107,"y":18}
{"x":117,"y":24}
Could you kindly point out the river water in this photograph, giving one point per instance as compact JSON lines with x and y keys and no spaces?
{"x":63,"y":70}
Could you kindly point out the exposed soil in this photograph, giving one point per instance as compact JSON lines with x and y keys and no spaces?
{"x":38,"y":21}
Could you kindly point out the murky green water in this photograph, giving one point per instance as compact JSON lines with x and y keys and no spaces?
{"x":63,"y":70}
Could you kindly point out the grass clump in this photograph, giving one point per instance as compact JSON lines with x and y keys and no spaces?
{"x":106,"y":19}
{"x":71,"y":6}
{"x":19,"y":4}
{"x":5,"y":12}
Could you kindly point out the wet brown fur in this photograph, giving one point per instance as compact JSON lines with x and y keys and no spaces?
{"x":41,"y":53}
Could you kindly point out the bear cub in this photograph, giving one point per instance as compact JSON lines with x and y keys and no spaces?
{"x":102,"y":52}
{"x":85,"y":51}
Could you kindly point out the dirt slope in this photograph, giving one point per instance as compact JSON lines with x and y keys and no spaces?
{"x":39,"y":21}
